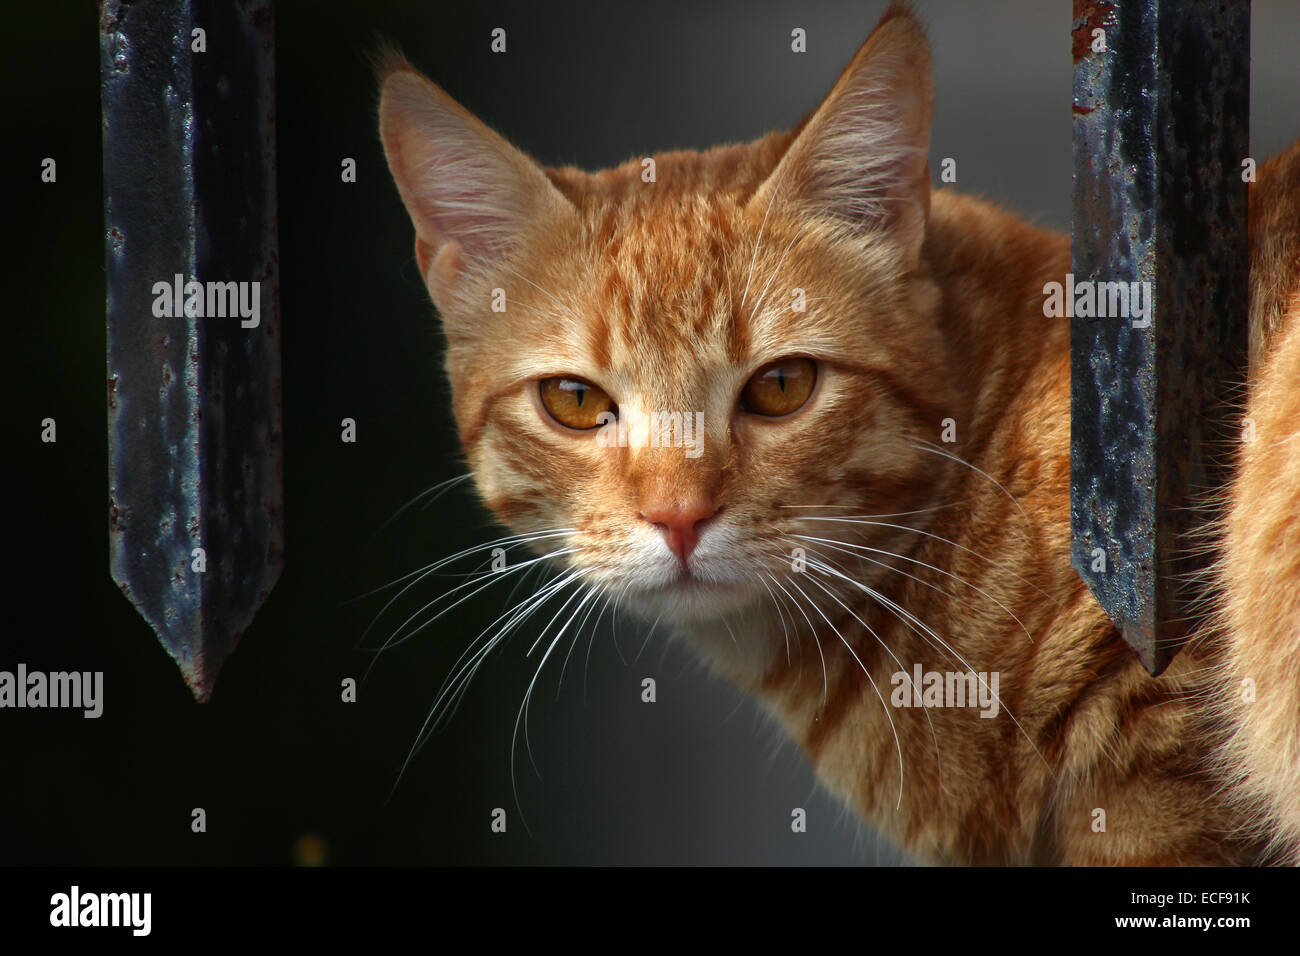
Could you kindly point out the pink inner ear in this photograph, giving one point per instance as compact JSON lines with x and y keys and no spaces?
{"x":458,"y":181}
{"x":444,"y":270}
{"x":475,"y":218}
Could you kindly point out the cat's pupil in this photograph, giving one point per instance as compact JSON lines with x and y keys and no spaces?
{"x":780,"y":378}
{"x":576,"y":389}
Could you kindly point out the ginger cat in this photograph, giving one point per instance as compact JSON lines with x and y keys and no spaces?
{"x":820,"y":315}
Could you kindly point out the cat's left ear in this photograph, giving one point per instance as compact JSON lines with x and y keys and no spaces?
{"x":472,"y":196}
{"x":861,"y":158}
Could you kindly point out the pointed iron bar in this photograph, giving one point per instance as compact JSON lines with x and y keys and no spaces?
{"x":1160,"y":135}
{"x":194,"y":426}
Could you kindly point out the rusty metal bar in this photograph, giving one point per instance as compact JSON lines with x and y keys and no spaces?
{"x":194,"y":424}
{"x":1161,"y":109}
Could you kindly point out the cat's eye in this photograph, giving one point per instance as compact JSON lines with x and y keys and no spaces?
{"x":780,"y":387}
{"x":575,"y":402}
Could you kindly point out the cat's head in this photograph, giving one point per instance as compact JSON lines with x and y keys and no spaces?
{"x":684,"y":361}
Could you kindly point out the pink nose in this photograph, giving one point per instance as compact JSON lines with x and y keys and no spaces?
{"x":681,"y":525}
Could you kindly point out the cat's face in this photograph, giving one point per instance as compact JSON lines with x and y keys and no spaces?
{"x":674,"y":375}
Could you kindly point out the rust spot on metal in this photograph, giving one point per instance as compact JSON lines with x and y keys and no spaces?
{"x":1089,"y":15}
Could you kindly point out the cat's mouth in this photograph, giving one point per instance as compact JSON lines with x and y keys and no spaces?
{"x":689,"y":595}
{"x":685,"y":583}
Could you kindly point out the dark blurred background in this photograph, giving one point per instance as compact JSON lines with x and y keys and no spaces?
{"x":285,"y":771}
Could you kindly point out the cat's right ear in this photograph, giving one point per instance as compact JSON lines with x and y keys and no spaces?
{"x":470,"y":194}
{"x":860,"y":159}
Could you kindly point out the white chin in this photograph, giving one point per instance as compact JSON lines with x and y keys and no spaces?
{"x":690,"y":600}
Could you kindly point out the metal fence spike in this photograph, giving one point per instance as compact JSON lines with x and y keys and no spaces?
{"x":1161,"y":110}
{"x":196,"y":495}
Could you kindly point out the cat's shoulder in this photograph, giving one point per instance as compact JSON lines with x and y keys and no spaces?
{"x":1274,"y":246}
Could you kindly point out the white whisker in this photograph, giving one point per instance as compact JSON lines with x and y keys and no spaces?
{"x":936,"y":450}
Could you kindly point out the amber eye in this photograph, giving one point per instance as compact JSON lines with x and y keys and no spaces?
{"x":575,"y":403}
{"x":780,"y":387}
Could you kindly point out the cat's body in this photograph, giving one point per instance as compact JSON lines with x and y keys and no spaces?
{"x":1257,"y":627}
{"x":813,"y":555}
